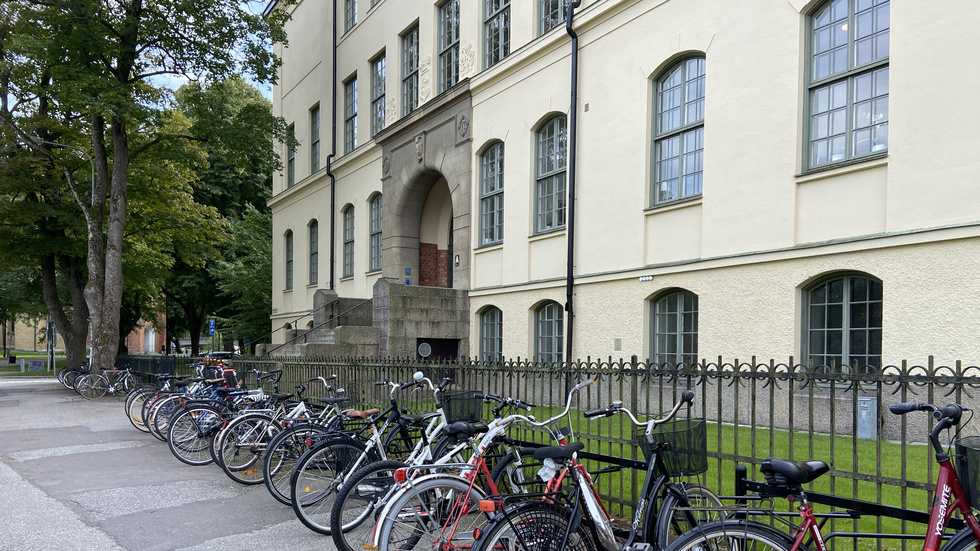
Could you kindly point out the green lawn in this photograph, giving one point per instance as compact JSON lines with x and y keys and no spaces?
{"x":13,"y":369}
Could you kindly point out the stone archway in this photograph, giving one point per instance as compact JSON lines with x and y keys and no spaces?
{"x":436,"y":238}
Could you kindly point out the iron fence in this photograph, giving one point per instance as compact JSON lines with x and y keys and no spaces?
{"x":754,"y":410}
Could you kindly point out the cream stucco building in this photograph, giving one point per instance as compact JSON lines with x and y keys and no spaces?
{"x":743,"y":183}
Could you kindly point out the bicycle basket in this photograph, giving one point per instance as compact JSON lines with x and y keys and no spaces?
{"x":685,"y":452}
{"x":968,"y":467}
{"x":460,"y":405}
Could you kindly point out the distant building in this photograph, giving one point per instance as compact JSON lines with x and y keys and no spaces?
{"x":751,"y":179}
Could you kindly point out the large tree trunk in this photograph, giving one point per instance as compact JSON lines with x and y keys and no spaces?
{"x":72,"y":327}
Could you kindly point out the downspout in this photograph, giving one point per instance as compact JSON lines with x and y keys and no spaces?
{"x":572,"y":133}
{"x":333,"y":148}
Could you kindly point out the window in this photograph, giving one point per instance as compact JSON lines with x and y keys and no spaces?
{"x":448,"y":44}
{"x":375,"y":230}
{"x":496,"y":31}
{"x":350,"y":115}
{"x":552,"y":14}
{"x":549,"y":332}
{"x":291,"y":157}
{"x":315,"y":139}
{"x":492,"y":194}
{"x":675,"y":328}
{"x":349,"y":241}
{"x":843,"y":323}
{"x":410,"y":70}
{"x":289,"y":260}
{"x":350,"y":14}
{"x":848,"y":81}
{"x":491,"y":334}
{"x":314,"y":246}
{"x":549,"y":205}
{"x":377,"y":95}
{"x":678,"y":147}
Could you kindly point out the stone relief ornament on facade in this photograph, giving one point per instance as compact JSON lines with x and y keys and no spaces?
{"x":464,"y":126}
{"x":466,"y":61}
{"x":390,"y":111}
{"x":425,"y":76}
{"x":420,"y":147}
{"x":386,"y":165}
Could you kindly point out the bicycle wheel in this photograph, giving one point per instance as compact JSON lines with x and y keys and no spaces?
{"x":733,"y":535}
{"x":357,"y":505}
{"x":160,"y":416}
{"x":516,"y":473}
{"x":92,"y":386}
{"x":399,"y":442}
{"x":241,"y":445}
{"x":190,"y":433}
{"x":281,"y":455}
{"x":673,"y":520}
{"x":130,"y":382}
{"x":962,"y":541}
{"x":437,"y":511}
{"x":534,"y":526}
{"x":317,"y":477}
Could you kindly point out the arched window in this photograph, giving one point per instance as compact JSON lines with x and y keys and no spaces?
{"x":375,"y":208}
{"x":549,"y":191}
{"x":674,"y":328}
{"x":492,"y":194}
{"x":549,"y":330}
{"x":491,"y":334}
{"x":842,"y":323}
{"x":847,"y":80}
{"x":314,"y":247}
{"x":678,"y":146}
{"x":349,"y":241}
{"x":289,"y":259}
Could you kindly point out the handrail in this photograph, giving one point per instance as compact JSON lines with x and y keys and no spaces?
{"x":314,"y":328}
{"x":283,"y":326}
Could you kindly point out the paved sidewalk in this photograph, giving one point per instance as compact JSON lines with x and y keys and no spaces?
{"x":76,"y":475}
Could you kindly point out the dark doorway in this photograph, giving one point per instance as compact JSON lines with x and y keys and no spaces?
{"x":437,"y":349}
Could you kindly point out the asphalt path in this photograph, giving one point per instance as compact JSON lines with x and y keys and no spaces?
{"x":76,"y":475}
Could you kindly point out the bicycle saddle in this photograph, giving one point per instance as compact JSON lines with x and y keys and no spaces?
{"x":334,"y":400}
{"x":467,"y":429}
{"x":559,"y":452}
{"x":780,"y":472}
{"x":418,"y":419}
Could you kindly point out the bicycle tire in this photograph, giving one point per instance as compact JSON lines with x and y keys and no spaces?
{"x":190,"y":434}
{"x":134,"y":408}
{"x":733,"y":535}
{"x":516,"y":472}
{"x":92,"y":386}
{"x":534,"y":526}
{"x":159,"y":417}
{"x":671,"y":523}
{"x":358,"y":503}
{"x":281,"y":455}
{"x":399,"y":442}
{"x":422,"y":513}
{"x":964,"y":540}
{"x":315,"y":480}
{"x":241,"y":444}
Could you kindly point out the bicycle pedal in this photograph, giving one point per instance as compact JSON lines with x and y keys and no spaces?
{"x":640,"y":547}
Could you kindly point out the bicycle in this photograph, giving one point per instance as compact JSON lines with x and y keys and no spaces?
{"x":579,"y":520}
{"x":94,"y":385}
{"x":785,"y":479}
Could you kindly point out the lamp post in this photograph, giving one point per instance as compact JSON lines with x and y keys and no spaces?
{"x":91,"y":203}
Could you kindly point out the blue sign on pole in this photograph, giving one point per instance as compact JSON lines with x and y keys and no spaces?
{"x":211,"y":327}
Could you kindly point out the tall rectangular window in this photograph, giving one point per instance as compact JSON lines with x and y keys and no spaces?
{"x":678,"y":147}
{"x":552,"y":14}
{"x":448,"y":44}
{"x":549,"y":330}
{"x":491,"y":335}
{"x":377,"y":95}
{"x":675,"y":329}
{"x":291,"y":158}
{"x":375,"y":230}
{"x":492,"y":195}
{"x":350,"y":14}
{"x":549,"y":205}
{"x":314,"y":252}
{"x":289,"y":260}
{"x":496,"y":31}
{"x":848,"y":81}
{"x":315,"y":139}
{"x":410,"y":70}
{"x":349,"y":242}
{"x":350,"y":115}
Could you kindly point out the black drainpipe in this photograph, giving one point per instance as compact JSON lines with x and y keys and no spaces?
{"x":573,"y":111}
{"x":333,"y":149}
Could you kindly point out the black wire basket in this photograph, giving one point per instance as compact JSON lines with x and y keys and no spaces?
{"x":460,"y":405}
{"x":968,"y":466}
{"x":681,"y":443}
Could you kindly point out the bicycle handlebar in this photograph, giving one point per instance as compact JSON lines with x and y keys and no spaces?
{"x":504,"y":401}
{"x":687,"y":397}
{"x":952,"y":412}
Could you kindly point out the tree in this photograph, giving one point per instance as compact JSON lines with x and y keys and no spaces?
{"x":20,"y":298}
{"x":245,"y":276}
{"x":102,"y":58}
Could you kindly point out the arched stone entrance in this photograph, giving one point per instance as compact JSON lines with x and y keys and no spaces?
{"x":427,"y":189}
